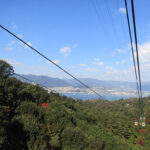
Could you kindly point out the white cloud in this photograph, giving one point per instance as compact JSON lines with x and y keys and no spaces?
{"x":96,"y":59}
{"x":144,"y":52}
{"x":20,"y":36}
{"x":57,"y":61}
{"x":108,"y":68}
{"x":117,"y":62}
{"x":29,"y":43}
{"x":13,"y":63}
{"x":98,"y":62}
{"x":92,"y":70}
{"x":119,"y":51}
{"x":129,"y":46}
{"x":9,"y":46}
{"x":121,"y":75}
{"x":73,"y":67}
{"x":82,"y":65}
{"x":111,"y":72}
{"x":25,"y":46}
{"x":122,"y":10}
{"x":121,"y":62}
{"x":66,"y":50}
{"x":144,"y":57}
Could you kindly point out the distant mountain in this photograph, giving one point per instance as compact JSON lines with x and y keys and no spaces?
{"x":45,"y":80}
{"x":109,"y":84}
{"x":56,"y":82}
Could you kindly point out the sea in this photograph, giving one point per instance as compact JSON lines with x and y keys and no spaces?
{"x":93,"y":96}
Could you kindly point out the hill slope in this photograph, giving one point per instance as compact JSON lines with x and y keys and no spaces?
{"x":56,"y":82}
{"x":46,"y":80}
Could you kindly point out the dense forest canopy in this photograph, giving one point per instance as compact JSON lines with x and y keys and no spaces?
{"x":65,"y":123}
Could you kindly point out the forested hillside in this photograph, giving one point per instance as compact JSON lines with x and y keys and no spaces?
{"x":33,"y":119}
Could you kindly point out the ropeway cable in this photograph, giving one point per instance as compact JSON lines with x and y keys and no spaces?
{"x":51,"y":61}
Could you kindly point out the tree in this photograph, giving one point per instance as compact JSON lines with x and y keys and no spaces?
{"x":5,"y":69}
{"x":73,"y":139}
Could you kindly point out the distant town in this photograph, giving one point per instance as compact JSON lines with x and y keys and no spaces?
{"x":100,"y":90}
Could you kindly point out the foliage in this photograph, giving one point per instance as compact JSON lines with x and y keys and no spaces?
{"x":5,"y":69}
{"x":66,"y":124}
{"x":73,"y":139}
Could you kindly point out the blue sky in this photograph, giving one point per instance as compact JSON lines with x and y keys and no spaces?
{"x":85,"y":40}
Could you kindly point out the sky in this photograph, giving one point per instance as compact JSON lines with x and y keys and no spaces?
{"x":88,"y":38}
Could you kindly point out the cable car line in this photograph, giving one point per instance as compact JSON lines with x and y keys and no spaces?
{"x":136,"y":44}
{"x":51,"y":61}
{"x":121,"y":19}
{"x":137,"y":64}
{"x":112,"y":22}
{"x":131,"y":43}
{"x":100,"y":19}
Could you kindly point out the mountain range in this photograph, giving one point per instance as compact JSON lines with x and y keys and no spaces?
{"x":56,"y":82}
